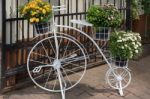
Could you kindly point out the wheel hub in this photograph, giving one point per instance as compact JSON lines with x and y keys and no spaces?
{"x":56,"y":64}
{"x":119,"y":78}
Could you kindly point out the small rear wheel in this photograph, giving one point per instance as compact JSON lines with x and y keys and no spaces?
{"x":118,"y":77}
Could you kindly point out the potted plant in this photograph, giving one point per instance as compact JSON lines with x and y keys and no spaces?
{"x":104,"y":18}
{"x":124,"y":46}
{"x":38,"y":13}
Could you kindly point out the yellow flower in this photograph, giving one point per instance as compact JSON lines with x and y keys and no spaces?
{"x":38,"y":0}
{"x":33,"y":13}
{"x":40,"y":9}
{"x":32,"y":6}
{"x":31,"y":20}
{"x":47,"y":9}
{"x":25,"y":9}
{"x":37,"y":20}
{"x":44,"y":11}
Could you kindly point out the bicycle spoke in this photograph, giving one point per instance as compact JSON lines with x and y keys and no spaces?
{"x":41,"y":75}
{"x":73,"y":59}
{"x":66,"y":48}
{"x":72,"y":71}
{"x":48,"y":77}
{"x":38,"y":62}
{"x":46,"y":52}
{"x":41,"y":55}
{"x":67,"y":63}
{"x":124,"y":75}
{"x":55,"y":81}
{"x":117,"y":72}
{"x":71,"y":53}
{"x":67,"y":76}
{"x":52,"y":46}
{"x":112,"y":75}
{"x":125,"y":81}
{"x":113,"y":80}
{"x":60,"y":42}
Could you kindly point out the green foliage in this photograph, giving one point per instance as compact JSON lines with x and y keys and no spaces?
{"x":104,"y":16}
{"x":126,"y":45}
{"x":136,"y":5}
{"x":146,"y":6}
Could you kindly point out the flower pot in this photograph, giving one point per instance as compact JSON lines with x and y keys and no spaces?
{"x":102,"y":33}
{"x":121,"y":62}
{"x":42,"y":27}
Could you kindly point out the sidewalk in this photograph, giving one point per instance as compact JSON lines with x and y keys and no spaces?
{"x":93,"y":85}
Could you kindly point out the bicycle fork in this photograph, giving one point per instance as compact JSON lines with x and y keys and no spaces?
{"x":60,"y":77}
{"x":61,"y":81}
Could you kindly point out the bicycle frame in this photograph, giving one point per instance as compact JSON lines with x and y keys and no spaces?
{"x":58,"y":61}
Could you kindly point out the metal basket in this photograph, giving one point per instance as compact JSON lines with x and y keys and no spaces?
{"x":119,"y":62}
{"x":101,"y":33}
{"x":43,"y":27}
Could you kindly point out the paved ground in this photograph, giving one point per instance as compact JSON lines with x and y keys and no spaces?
{"x":93,"y":85}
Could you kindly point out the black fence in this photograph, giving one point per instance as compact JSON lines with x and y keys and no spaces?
{"x":17,"y":35}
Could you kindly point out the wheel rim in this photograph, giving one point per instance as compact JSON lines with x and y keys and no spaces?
{"x":122,"y":75}
{"x":68,"y":65}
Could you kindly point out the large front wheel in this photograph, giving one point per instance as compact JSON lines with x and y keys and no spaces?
{"x":45,"y":68}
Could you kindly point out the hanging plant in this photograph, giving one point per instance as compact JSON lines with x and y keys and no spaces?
{"x":36,"y":11}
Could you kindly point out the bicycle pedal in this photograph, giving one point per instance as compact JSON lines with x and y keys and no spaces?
{"x":36,"y":69}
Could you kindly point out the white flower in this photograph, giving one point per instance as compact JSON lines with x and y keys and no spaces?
{"x":129,"y":48}
{"x":139,"y":37}
{"x":135,"y":38}
{"x":122,"y":47}
{"x":133,"y":43}
{"x":119,"y":37}
{"x":130,"y":38}
{"x":109,"y":18}
{"x":136,"y":51}
{"x":139,"y":43}
{"x":119,"y":40}
{"x":126,"y":45}
{"x":136,"y":46}
{"x":112,"y":17}
{"x":131,"y":55}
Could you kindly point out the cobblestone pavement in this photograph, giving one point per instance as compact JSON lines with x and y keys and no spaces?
{"x":93,"y":85}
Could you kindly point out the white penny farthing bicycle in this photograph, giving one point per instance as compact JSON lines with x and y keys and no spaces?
{"x":58,"y":55}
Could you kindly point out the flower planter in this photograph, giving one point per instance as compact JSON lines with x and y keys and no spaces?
{"x":42,"y":27}
{"x":102,"y":33}
{"x":121,"y":62}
